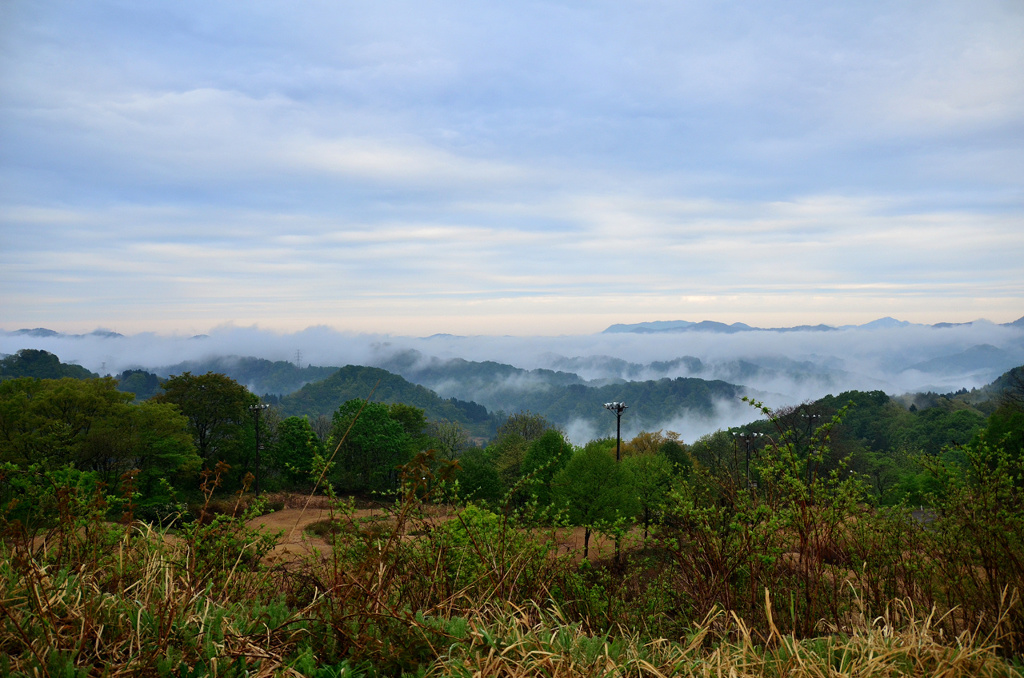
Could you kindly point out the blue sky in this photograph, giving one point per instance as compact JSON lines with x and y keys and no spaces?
{"x":508,"y":168}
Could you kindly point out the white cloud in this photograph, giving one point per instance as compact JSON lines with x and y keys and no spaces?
{"x":541,"y":168}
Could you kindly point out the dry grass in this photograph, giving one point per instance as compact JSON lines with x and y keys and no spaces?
{"x":142,"y":608}
{"x":535,"y":643}
{"x":472,"y":593}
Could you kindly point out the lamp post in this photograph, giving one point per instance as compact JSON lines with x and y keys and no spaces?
{"x":811,"y":418}
{"x":747,"y":438}
{"x":617,"y":408}
{"x":256,"y":409}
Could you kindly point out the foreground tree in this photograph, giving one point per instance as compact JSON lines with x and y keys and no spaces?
{"x":594,"y":490}
{"x":53,"y":421}
{"x":527,"y":425}
{"x":478,"y":478}
{"x":217,"y":409}
{"x":371,"y":445}
{"x":545,"y":457}
{"x":88,"y":425}
{"x":143,"y":384}
{"x":652,"y":479}
{"x":294,"y":449}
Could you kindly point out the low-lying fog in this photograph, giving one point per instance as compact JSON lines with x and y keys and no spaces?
{"x":787,"y":367}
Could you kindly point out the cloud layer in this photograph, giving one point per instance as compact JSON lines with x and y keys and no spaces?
{"x":487,"y":168}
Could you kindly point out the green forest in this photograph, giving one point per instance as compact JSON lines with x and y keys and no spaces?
{"x":858,"y":534}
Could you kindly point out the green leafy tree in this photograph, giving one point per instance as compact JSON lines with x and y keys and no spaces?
{"x":294,"y":450}
{"x":151,"y":438}
{"x":507,"y":453}
{"x":594,"y":489}
{"x":217,"y":409}
{"x":372,"y":445}
{"x":451,"y":438}
{"x":143,"y":384}
{"x":414,"y":422}
{"x":717,"y":452}
{"x":1006,"y":426}
{"x":676,"y":453}
{"x":26,"y":435}
{"x":89,"y":425}
{"x":478,"y":477}
{"x":527,"y":425}
{"x":936,"y":428}
{"x":606,"y":444}
{"x":652,"y":479}
{"x":546,"y":456}
{"x":53,"y":421}
{"x":509,"y":447}
{"x":164,"y":452}
{"x":31,"y":362}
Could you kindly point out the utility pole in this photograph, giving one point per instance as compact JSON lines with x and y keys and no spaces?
{"x":747,"y":438}
{"x":812,"y":419}
{"x":256,"y":409}
{"x":617,"y":408}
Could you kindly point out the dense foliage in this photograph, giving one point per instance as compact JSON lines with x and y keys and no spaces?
{"x":818,"y":535}
{"x":261,"y":376}
{"x":352,"y":382}
{"x":30,"y":362}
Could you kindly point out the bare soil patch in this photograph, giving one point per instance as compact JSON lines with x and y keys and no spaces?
{"x":296,"y":545}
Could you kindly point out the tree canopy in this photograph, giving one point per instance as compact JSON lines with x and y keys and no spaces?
{"x":30,"y":362}
{"x":594,"y":489}
{"x":371,"y":445}
{"x":88,"y":425}
{"x":217,"y":409}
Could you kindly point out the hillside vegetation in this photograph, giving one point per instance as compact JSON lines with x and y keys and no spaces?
{"x":855,"y":535}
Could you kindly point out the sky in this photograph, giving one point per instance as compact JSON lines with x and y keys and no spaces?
{"x":494,"y":168}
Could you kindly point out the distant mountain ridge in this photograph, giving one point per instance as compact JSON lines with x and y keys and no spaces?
{"x":659,"y":326}
{"x":43,"y":332}
{"x":564,"y":396}
{"x":647,"y":327}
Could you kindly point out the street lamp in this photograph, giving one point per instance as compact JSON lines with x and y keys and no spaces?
{"x":256,"y":409}
{"x":811,"y":418}
{"x":747,"y":438}
{"x":617,"y":408}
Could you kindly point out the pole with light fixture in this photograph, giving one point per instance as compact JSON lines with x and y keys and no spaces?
{"x":747,"y":438}
{"x":617,"y":408}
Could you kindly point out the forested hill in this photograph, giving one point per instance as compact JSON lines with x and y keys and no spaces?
{"x":324,"y":397}
{"x":30,"y":362}
{"x":651,"y":402}
{"x":488,"y":381}
{"x":563,"y":396}
{"x":259,"y":375}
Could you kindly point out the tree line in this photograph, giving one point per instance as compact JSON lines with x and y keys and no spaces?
{"x":88,"y":427}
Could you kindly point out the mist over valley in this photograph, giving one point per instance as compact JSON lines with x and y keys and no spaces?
{"x":682,"y":376}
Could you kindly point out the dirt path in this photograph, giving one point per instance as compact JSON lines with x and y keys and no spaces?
{"x":295,"y":543}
